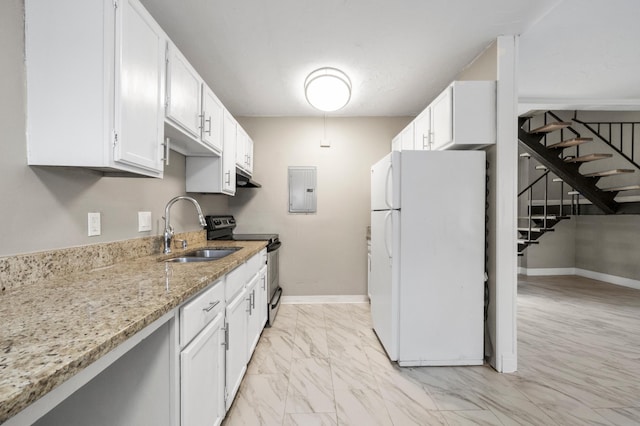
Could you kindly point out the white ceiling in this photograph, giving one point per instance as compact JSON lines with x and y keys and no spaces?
{"x":399,"y":54}
{"x":583,"y":55}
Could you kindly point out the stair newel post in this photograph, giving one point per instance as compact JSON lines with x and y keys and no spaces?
{"x":633,"y":139}
{"x":561,"y":198}
{"x":530,"y":212}
{"x":546,"y":199}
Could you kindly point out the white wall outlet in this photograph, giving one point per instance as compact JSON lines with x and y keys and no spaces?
{"x":144,"y":221}
{"x":94,"y":224}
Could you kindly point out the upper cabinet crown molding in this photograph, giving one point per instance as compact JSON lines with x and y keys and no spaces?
{"x":100,"y":103}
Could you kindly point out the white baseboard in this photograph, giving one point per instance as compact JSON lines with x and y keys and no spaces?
{"x":509,"y":363}
{"x":611,"y":279}
{"x":311,"y":300}
{"x":543,"y":272}
{"x":625,"y":282}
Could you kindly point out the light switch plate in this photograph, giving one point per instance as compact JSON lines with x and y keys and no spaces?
{"x":144,"y":221}
{"x":94,"y":224}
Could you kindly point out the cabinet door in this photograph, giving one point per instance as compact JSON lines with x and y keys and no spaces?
{"x":212,"y":112}
{"x":236,"y":356}
{"x":396,"y":143}
{"x":241,"y":147}
{"x":422,"y":130}
{"x":406,"y":137}
{"x":442,"y":119}
{"x":249,"y":149}
{"x":183,"y":93}
{"x":139,"y":88}
{"x":253,"y":326}
{"x":229,"y":155}
{"x":202,"y":377}
{"x":261,"y":302}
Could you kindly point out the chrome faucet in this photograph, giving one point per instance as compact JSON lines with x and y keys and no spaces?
{"x":168,"y":230}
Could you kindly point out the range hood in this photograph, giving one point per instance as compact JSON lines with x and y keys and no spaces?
{"x":243,"y":180}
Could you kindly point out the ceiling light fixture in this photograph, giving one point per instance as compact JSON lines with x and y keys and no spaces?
{"x":327,"y":89}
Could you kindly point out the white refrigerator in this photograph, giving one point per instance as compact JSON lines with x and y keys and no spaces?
{"x":427,"y":256}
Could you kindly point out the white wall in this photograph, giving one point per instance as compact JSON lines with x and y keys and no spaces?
{"x":323,"y":253}
{"x":46,"y":208}
{"x":498,"y":62}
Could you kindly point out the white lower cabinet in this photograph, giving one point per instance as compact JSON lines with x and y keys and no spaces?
{"x":236,"y":355}
{"x":254,"y":328}
{"x":202,"y":364}
{"x":262,"y":298}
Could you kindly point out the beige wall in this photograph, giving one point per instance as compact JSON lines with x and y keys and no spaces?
{"x":323,"y":253}
{"x":46,"y":208}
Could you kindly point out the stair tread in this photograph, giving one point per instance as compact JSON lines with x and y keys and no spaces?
{"x":557,"y":180}
{"x":588,"y":157}
{"x":541,"y":167}
{"x":570,"y":142}
{"x":541,"y":217}
{"x":609,"y":172}
{"x":622,"y":188}
{"x":573,"y":193}
{"x":525,"y":155}
{"x":533,"y":229}
{"x":521,"y":241}
{"x":551,"y":127}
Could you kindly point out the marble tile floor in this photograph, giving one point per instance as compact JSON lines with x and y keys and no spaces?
{"x":579,"y":364}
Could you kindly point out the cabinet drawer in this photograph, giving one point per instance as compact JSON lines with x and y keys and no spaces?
{"x":235,"y":281}
{"x":254,"y":264}
{"x":195,"y":315}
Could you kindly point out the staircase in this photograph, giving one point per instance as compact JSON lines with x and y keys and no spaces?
{"x":564,"y":160}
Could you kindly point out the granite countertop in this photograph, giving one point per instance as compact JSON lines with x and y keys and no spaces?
{"x":53,"y":330}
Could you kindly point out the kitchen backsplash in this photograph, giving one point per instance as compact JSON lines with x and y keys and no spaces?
{"x":33,"y":268}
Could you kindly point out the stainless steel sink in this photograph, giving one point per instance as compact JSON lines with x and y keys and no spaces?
{"x":213,"y":253}
{"x":189,"y":259}
{"x":204,"y":255}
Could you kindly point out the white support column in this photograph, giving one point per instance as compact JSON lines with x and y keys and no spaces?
{"x":503,"y":254}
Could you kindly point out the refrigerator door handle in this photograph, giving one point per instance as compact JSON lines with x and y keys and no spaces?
{"x":387,"y":179}
{"x":388,"y":218}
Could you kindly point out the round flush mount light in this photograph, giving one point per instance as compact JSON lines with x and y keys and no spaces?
{"x":327,"y":89}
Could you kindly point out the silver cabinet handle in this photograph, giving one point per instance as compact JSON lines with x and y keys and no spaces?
{"x":208,"y":131}
{"x":211,"y":306}
{"x":425,"y":137}
{"x":167,"y":146}
{"x":264,"y":282}
{"x":201,"y":126}
{"x":228,"y":178}
{"x":253,"y":299}
{"x":226,"y":337}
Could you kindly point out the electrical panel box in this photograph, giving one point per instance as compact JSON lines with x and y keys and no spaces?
{"x":302,"y":190}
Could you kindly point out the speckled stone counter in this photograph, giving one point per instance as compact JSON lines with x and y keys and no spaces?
{"x":53,"y":330}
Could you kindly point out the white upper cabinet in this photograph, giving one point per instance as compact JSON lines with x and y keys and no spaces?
{"x":406,"y":138}
{"x":215,"y":174}
{"x":191,"y":109}
{"x":244,"y":151}
{"x":98,"y":104}
{"x":422,"y":130}
{"x":184,"y":88}
{"x":463,"y":116}
{"x":212,"y":119}
{"x":139,"y":88}
{"x":229,"y":129}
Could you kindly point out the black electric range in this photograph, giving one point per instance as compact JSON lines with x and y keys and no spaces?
{"x":221,"y":228}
